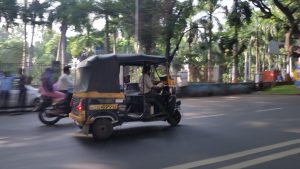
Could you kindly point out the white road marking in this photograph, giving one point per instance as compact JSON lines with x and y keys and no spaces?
{"x":263,"y":159}
{"x":279,"y":108}
{"x":233,"y":155}
{"x":204,"y":116}
{"x":3,"y":138}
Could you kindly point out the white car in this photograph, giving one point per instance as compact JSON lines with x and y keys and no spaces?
{"x":32,"y":96}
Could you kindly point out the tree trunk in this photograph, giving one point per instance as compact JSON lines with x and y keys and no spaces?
{"x":115,"y":43}
{"x":287,"y":46}
{"x":246,"y":67}
{"x":128,"y":44}
{"x":58,"y":53}
{"x":106,"y":44}
{"x":25,"y":50}
{"x":235,"y":65}
{"x":24,"y":57}
{"x":235,"y":55}
{"x":31,"y":51}
{"x":136,"y":27}
{"x":63,"y":44}
{"x":257,"y":58}
{"x":209,"y":53}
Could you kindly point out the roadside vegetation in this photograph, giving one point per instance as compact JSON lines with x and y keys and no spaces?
{"x":219,"y":40}
{"x":285,"y":89}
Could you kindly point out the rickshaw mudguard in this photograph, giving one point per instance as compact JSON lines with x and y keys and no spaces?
{"x":78,"y":118}
{"x":112,"y":115}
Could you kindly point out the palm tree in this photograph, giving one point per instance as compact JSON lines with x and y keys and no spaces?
{"x":34,"y":14}
{"x":106,"y":9}
{"x":68,"y":13}
{"x":241,"y":13}
{"x":209,"y":7}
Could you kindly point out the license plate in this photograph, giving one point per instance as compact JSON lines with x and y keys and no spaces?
{"x":103,"y":107}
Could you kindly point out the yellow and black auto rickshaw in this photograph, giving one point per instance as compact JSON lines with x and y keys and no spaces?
{"x":107,"y":93}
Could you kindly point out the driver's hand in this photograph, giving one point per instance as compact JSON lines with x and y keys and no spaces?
{"x":160,"y":84}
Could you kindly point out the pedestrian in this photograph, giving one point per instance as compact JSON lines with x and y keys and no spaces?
{"x":296,"y":75}
{"x":6,"y":86}
{"x":22,"y":88}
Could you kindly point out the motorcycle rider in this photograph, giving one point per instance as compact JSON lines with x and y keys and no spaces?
{"x":47,"y":88}
{"x":65,"y":84}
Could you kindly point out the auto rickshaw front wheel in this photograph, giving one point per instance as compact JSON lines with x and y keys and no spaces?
{"x":102,"y":129}
{"x":174,"y":118}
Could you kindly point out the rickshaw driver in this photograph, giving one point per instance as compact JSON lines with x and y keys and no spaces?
{"x":148,"y":89}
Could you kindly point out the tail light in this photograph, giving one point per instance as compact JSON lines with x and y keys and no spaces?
{"x":80,"y":106}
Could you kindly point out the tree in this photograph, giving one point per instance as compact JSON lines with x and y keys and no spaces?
{"x":209,"y":7}
{"x":44,"y":52}
{"x":239,"y":15}
{"x":85,"y":42}
{"x":174,"y":20}
{"x":149,"y":26}
{"x":34,"y":15}
{"x":9,"y":11}
{"x":68,"y":13}
{"x":10,"y":50}
{"x":106,"y":9}
{"x":291,"y":21}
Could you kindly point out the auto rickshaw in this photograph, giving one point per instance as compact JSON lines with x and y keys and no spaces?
{"x":107,"y":94}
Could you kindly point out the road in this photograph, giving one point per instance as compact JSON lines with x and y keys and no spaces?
{"x":230,"y":132}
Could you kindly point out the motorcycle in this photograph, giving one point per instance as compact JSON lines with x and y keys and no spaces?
{"x":47,"y":110}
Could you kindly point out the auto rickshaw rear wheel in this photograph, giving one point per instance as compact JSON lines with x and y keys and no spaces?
{"x":102,"y":129}
{"x":174,"y":118}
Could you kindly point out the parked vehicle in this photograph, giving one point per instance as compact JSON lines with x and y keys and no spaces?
{"x":103,"y":98}
{"x":32,"y":96}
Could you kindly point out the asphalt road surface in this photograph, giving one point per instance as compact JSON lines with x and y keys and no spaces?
{"x":232,"y":132}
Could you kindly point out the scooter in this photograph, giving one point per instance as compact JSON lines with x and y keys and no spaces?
{"x":47,"y":110}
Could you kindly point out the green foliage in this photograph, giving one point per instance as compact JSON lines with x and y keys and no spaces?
{"x":70,"y":12}
{"x":84,"y":42}
{"x":174,"y":23}
{"x":149,"y":24}
{"x":10,"y":54}
{"x":11,"y":50}
{"x":8,"y":11}
{"x":35,"y":13}
{"x":241,"y":13}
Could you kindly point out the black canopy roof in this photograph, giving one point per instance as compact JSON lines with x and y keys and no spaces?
{"x":101,"y":72}
{"x":124,"y":59}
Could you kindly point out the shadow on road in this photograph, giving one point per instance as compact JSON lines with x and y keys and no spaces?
{"x":56,"y":126}
{"x":13,"y":112}
{"x":134,"y":134}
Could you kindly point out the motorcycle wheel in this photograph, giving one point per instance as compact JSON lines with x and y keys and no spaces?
{"x":45,"y":119}
{"x":174,"y":118}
